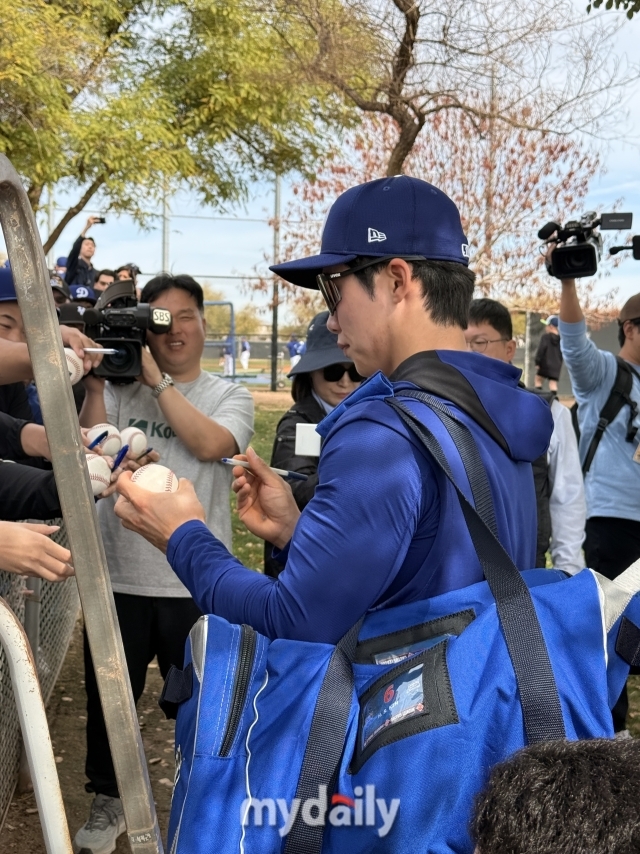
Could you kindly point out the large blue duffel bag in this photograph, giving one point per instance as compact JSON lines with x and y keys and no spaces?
{"x":381,"y":742}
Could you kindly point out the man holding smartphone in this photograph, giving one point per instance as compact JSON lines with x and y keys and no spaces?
{"x":80,"y":270}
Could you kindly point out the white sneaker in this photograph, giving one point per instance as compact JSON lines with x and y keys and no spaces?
{"x":105,"y":824}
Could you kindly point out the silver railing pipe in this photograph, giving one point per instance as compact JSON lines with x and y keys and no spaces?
{"x":31,"y":279}
{"x":35,"y":733}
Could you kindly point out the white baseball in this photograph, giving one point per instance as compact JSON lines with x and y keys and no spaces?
{"x":112,"y":444}
{"x":75,"y":366}
{"x":136,"y":439}
{"x":155,"y":478}
{"x":99,"y":473}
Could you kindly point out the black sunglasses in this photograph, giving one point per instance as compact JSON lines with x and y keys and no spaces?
{"x":334,"y":373}
{"x":327,"y":281}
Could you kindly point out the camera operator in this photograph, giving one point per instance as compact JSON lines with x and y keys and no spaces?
{"x":80,"y":270}
{"x":193,"y":419}
{"x":612,"y":482}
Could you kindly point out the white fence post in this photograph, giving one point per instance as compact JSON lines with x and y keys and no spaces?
{"x":35,"y":733}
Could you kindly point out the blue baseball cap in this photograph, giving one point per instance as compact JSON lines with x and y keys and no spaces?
{"x":61,"y":261}
{"x":79,"y":292}
{"x":384,"y":218}
{"x":7,"y":288}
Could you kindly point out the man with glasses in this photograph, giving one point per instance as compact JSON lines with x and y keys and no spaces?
{"x":612,"y":481}
{"x":383,"y":528}
{"x":557,"y":473}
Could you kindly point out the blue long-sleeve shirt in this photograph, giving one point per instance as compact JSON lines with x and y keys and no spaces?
{"x":612,"y":484}
{"x":376,"y":533}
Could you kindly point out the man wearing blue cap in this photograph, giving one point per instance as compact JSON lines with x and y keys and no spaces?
{"x":381,"y":529}
{"x":83,"y":295}
{"x":60,"y":267}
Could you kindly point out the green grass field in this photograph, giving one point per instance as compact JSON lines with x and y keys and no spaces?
{"x":246,"y":547}
{"x":250,"y":549}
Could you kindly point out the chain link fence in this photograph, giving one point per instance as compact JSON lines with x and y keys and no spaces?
{"x":56,"y":617}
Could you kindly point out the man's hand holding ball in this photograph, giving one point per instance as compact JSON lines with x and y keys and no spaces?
{"x":150,"y":505}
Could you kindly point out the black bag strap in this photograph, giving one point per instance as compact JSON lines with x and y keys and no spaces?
{"x":473,"y":465}
{"x":326,"y":741}
{"x":619,"y":396}
{"x":527,"y":648}
{"x":536,"y":684}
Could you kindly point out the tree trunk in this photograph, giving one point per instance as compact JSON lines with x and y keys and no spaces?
{"x":34,"y":194}
{"x":410,"y":128}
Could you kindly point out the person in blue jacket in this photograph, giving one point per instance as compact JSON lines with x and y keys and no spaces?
{"x":383,"y":528}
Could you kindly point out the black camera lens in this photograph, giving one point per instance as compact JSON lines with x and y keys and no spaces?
{"x":120,"y":359}
{"x":575,"y":262}
{"x":125,"y":365}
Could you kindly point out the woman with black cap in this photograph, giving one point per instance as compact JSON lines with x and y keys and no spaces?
{"x":322,"y":379}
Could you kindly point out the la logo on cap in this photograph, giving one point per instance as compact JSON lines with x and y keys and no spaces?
{"x":375,"y":236}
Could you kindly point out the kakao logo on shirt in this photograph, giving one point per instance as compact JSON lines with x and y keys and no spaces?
{"x":158,"y":429}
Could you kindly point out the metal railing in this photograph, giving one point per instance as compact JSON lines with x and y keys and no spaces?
{"x":53,"y":619}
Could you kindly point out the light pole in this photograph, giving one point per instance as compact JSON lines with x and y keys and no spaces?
{"x":274,"y":317}
{"x":166,"y":222}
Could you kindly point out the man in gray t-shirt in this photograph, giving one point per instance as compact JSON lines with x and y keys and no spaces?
{"x":191,"y":419}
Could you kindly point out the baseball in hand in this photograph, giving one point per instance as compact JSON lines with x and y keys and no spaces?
{"x":135,"y":439}
{"x":99,"y":473}
{"x":112,"y":444}
{"x":75,"y":366}
{"x":155,"y":478}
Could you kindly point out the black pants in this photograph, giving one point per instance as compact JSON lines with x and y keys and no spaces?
{"x":149,"y":626}
{"x":610,"y":546}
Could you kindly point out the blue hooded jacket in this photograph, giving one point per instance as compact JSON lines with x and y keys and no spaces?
{"x":384,"y":528}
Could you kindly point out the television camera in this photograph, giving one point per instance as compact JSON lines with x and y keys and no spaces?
{"x":579,"y":243}
{"x":120,"y":322}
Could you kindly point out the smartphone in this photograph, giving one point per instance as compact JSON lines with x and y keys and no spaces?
{"x":100,"y":220}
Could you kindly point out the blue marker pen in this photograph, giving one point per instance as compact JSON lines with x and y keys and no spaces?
{"x":143,"y":454}
{"x":98,"y":439}
{"x":287,"y":475}
{"x":122,"y":453}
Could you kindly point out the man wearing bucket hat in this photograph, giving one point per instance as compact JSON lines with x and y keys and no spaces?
{"x":393,"y":271}
{"x":322,"y":379}
{"x":608,"y":443}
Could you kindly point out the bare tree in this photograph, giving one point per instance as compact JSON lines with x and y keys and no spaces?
{"x":413,"y":59}
{"x":505,"y":180}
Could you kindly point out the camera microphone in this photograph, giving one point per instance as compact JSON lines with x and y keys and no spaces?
{"x":547,"y":230}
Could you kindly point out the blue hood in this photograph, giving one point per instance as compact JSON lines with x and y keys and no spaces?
{"x":486,"y":389}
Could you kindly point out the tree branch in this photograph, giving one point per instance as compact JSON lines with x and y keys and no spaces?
{"x":73,"y":211}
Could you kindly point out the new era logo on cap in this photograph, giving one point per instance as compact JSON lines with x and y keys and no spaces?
{"x":412,"y":218}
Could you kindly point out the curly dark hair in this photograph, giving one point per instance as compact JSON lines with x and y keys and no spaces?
{"x":562,"y":797}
